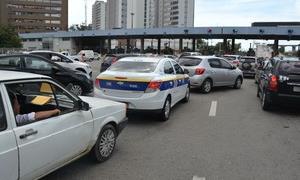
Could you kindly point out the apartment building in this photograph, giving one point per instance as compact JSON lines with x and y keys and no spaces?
{"x":98,"y":15}
{"x":35,"y":15}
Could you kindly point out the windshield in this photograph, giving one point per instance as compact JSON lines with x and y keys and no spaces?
{"x":133,"y":66}
{"x":289,"y":67}
{"x":189,"y":61}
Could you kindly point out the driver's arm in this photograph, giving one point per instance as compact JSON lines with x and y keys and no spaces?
{"x":46,"y":114}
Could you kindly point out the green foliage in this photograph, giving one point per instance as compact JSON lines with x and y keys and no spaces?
{"x":218,"y":49}
{"x":9,"y":38}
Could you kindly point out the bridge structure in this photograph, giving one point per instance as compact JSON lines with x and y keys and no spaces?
{"x":99,"y":37}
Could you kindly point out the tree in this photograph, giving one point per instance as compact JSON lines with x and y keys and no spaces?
{"x":9,"y":38}
{"x":80,"y":27}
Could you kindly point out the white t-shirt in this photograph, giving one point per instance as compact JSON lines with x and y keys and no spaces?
{"x":25,"y":118}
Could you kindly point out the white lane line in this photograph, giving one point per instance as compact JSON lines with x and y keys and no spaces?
{"x":213,"y":108}
{"x":198,"y":178}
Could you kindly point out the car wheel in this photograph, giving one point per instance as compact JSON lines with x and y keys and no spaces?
{"x":206,"y":86}
{"x":265,"y":102}
{"x":75,"y":89}
{"x":166,"y":111}
{"x":187,"y":95}
{"x":238,"y":83}
{"x":105,"y":144}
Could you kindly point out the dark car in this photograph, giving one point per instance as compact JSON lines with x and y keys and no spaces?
{"x":109,"y":59}
{"x":76,"y":81}
{"x":248,"y":66}
{"x":279,"y":83}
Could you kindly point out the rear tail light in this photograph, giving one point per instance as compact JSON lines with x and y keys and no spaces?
{"x":273,"y":83}
{"x":199,"y":71}
{"x":97,"y":83}
{"x":153,"y":86}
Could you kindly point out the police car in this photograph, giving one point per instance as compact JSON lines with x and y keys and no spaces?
{"x":145,"y":83}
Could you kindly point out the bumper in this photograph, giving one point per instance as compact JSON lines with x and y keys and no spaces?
{"x":196,"y":80}
{"x":148,"y":101}
{"x":249,"y":73}
{"x":122,"y":125}
{"x":279,"y":98}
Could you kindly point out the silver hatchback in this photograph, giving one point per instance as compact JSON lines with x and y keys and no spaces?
{"x":208,"y":71}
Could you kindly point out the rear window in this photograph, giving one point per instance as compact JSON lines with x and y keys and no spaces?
{"x":250,"y":60}
{"x":189,"y":61}
{"x":133,"y":66}
{"x":230,"y":58}
{"x":289,"y":67}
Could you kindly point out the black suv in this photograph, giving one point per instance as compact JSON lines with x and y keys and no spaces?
{"x":247,"y":65}
{"x":75,"y":81}
{"x":279,"y":83}
{"x":109,"y":59}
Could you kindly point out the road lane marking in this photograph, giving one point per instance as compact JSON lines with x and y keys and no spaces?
{"x":198,"y":178}
{"x":213,"y":108}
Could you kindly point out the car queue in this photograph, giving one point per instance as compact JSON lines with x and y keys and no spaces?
{"x":128,"y":83}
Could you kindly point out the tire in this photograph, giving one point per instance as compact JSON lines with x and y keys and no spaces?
{"x":206,"y":86}
{"x":105,"y":144}
{"x":187,"y":95}
{"x":75,"y":89}
{"x":238,"y":83}
{"x":265,"y":102}
{"x":166,"y":111}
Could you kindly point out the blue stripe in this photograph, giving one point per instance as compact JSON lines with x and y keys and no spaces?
{"x":141,"y":86}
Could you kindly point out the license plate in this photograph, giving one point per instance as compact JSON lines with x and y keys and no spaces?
{"x":296,"y":89}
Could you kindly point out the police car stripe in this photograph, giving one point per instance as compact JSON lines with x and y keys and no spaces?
{"x":141,"y":86}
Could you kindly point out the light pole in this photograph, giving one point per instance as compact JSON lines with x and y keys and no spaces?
{"x":132,"y":14}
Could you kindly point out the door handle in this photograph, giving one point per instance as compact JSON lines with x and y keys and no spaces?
{"x":28,"y":132}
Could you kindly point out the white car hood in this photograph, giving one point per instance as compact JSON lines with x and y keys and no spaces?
{"x":100,"y":107}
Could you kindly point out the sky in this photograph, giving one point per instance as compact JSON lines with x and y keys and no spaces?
{"x":218,"y":12}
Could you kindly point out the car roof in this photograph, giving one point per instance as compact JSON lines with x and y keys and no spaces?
{"x":14,"y":75}
{"x":202,"y":57}
{"x":143,"y":59}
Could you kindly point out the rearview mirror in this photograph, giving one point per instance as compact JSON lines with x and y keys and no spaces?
{"x":81,"y":105}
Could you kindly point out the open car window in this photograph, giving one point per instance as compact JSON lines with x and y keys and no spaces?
{"x":41,"y":96}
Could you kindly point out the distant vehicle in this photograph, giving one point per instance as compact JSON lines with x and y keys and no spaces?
{"x":110,"y":59}
{"x":233,"y":59}
{"x":248,"y":65}
{"x":189,"y":54}
{"x":145,"y":83}
{"x":84,"y":55}
{"x":279,"y":83}
{"x":64,"y":61}
{"x":170,"y":56}
{"x":207,"y":72}
{"x":77,"y":82}
{"x":37,"y":147}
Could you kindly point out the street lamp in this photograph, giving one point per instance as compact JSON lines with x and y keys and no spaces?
{"x":132,"y":14}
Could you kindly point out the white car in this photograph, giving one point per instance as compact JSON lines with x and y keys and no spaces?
{"x":145,"y":83}
{"x":65,"y":61}
{"x":84,"y":55}
{"x":34,"y":148}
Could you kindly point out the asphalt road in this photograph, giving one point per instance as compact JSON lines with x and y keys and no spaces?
{"x":224,"y":135}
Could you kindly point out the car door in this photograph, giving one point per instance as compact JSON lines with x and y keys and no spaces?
{"x":230,"y":75}
{"x":216,"y":71}
{"x":169,"y":75}
{"x":9,"y":164}
{"x":40,"y":66}
{"x":264,"y":77}
{"x":48,"y":143}
{"x":180,"y":78}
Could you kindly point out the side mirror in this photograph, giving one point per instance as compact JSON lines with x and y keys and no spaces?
{"x":81,"y":105}
{"x":186,"y":71}
{"x":233,"y":67}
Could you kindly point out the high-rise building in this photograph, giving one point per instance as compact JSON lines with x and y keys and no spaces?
{"x":116,"y":14}
{"x":176,"y":13}
{"x":35,"y":16}
{"x":98,"y":15}
{"x":135,"y":13}
{"x":151,"y":13}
